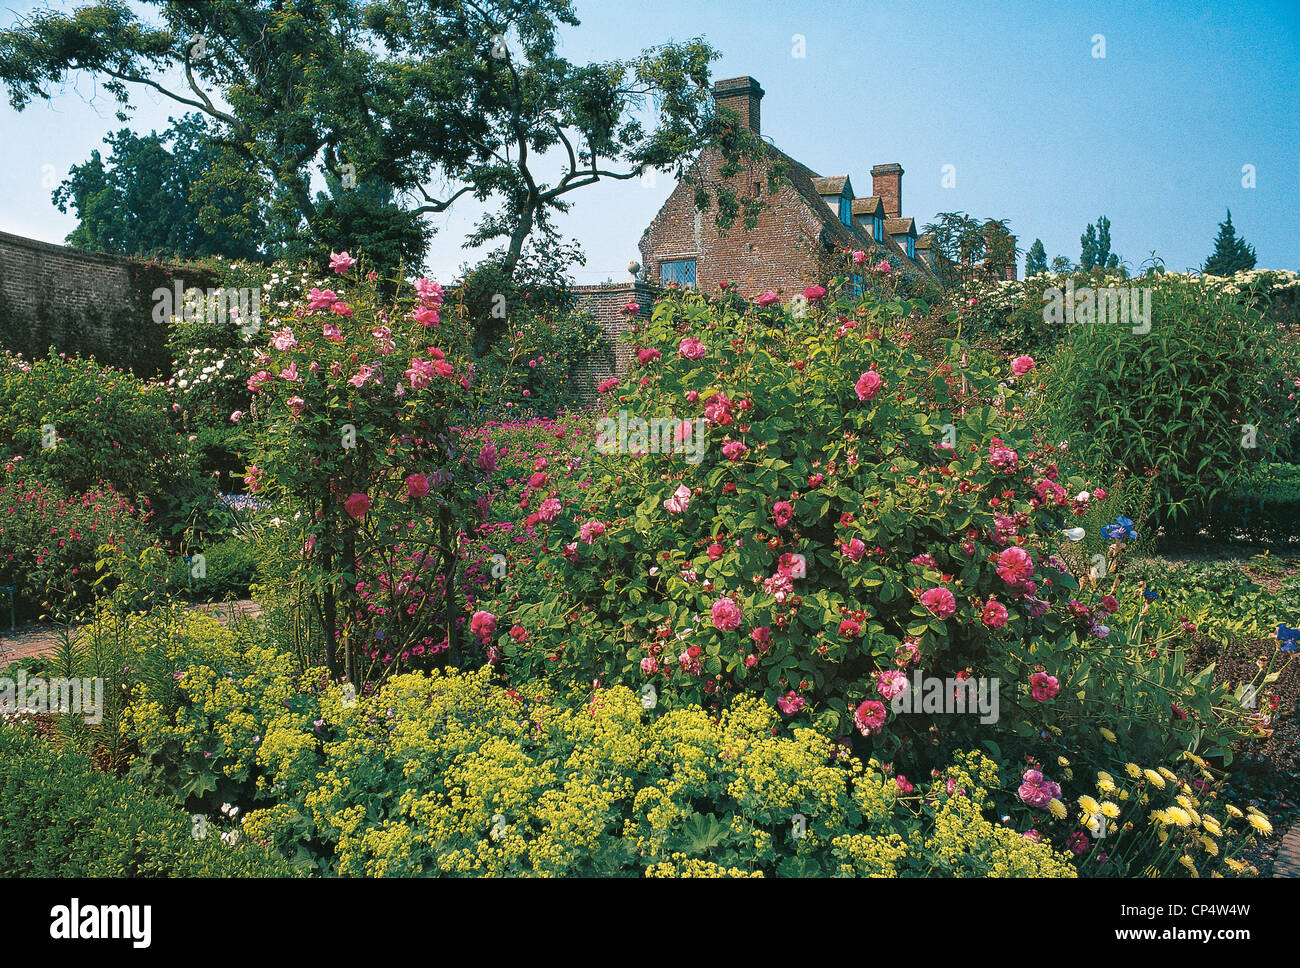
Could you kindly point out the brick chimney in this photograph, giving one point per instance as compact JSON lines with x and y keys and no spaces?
{"x":887,"y":182}
{"x":741,"y":94}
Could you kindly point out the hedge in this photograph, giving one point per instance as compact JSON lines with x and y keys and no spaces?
{"x":60,"y":817}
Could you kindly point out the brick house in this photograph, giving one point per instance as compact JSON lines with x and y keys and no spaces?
{"x":804,"y":232}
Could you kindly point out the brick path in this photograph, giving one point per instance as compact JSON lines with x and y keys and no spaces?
{"x":42,"y":640}
{"x":1288,"y":856}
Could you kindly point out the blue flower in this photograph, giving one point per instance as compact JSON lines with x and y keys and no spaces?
{"x":1289,"y":638}
{"x":1150,"y":595}
{"x":1122,"y":528}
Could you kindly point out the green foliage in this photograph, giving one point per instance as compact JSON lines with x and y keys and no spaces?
{"x":229,"y":566}
{"x":63,"y":818}
{"x":1172,"y":403}
{"x":968,"y":250}
{"x":1231,"y":254}
{"x":1036,"y":260}
{"x":1095,"y":245}
{"x":145,"y":199}
{"x":109,"y":427}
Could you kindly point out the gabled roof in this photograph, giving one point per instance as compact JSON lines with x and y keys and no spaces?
{"x":804,"y":180}
{"x":869,"y":206}
{"x":925,"y":241}
{"x":900,"y":226}
{"x":831,"y":184}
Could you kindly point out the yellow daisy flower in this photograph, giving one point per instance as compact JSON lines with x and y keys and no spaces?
{"x":1109,"y":809}
{"x":1212,"y":825}
{"x":1107,"y":735}
{"x":1233,"y":811}
{"x":1167,"y":773}
{"x":1179,"y":816}
{"x":1089,"y":805}
{"x":1133,"y":770}
{"x":1154,"y":778}
{"x":1261,"y":824}
{"x":1057,"y":809}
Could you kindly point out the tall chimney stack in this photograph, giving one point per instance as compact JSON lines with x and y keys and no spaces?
{"x":742,"y":95}
{"x":887,"y":183}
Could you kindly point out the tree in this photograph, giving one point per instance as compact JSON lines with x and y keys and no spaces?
{"x":967,"y":248}
{"x":1036,"y":260}
{"x":427,"y":100}
{"x":1095,"y":245}
{"x":1231,"y":254}
{"x":1062,"y":264}
{"x":151,"y":196}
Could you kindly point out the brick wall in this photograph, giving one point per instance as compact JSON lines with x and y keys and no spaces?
{"x":780,"y":253}
{"x":86,"y":303}
{"x":605,"y":304}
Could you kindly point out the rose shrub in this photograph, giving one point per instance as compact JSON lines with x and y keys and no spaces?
{"x":354,"y":405}
{"x":883,"y":514}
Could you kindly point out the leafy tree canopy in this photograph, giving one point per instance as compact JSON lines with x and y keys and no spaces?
{"x":426,"y":100}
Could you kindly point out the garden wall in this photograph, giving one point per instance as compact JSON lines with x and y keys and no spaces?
{"x":86,"y":303}
{"x":605,"y":304}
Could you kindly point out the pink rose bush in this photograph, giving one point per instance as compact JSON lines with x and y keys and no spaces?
{"x":357,"y":446}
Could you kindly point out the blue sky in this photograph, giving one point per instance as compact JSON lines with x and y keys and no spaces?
{"x":1038,"y":130}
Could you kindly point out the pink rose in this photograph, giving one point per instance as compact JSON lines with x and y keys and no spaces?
{"x":321,"y":299}
{"x":767,"y":299}
{"x":606,"y":385}
{"x":341,"y":262}
{"x":332,"y":333}
{"x":357,"y":505}
{"x":868,"y":385}
{"x":994,"y":615}
{"x":692,"y":348}
{"x":680,"y":500}
{"x":734,"y":450}
{"x":869,"y":717}
{"x":361,"y":376}
{"x":940,"y":601}
{"x":859,"y":257}
{"x":284,"y":340}
{"x":849,"y":629}
{"x":884,"y":268}
{"x":782,"y":513}
{"x":417,"y":485}
{"x":1015,"y":565}
{"x":482,"y":625}
{"x":891,"y":683}
{"x":549,"y":510}
{"x":487,"y":458}
{"x":853,"y":550}
{"x":726,"y":614}
{"x":590,"y":531}
{"x":814,"y":293}
{"x":1022,"y":365}
{"x":1043,"y":687}
{"x":791,"y":703}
